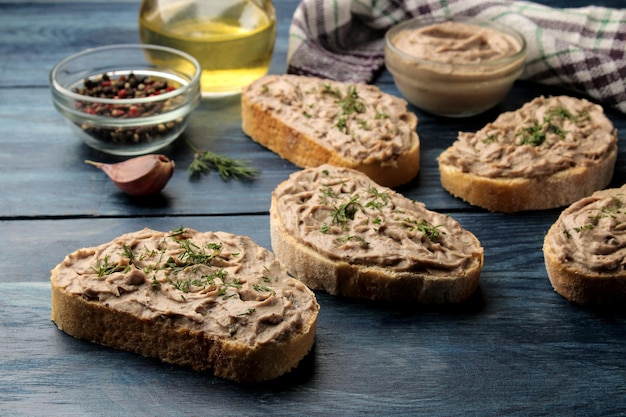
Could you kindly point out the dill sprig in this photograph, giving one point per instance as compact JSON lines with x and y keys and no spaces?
{"x":206,"y":161}
{"x":247,"y":312}
{"x":346,"y":211}
{"x":352,"y":103}
{"x":612,"y":210}
{"x":103,"y":267}
{"x":533,"y":135}
{"x":431,"y":231}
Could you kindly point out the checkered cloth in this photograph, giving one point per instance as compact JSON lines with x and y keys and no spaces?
{"x":582,"y":49}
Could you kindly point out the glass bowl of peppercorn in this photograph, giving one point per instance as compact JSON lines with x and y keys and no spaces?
{"x":127,"y":99}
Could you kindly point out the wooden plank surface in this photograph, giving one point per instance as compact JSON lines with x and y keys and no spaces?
{"x":41,"y":162}
{"x":44,"y":174}
{"x":489,"y":358}
{"x":515,"y":349}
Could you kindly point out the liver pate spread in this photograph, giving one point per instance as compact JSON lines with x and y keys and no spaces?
{"x":357,"y":121}
{"x":218,"y":283}
{"x":456,"y":43}
{"x":545,"y":136}
{"x":345,"y":216}
{"x":591,"y":233}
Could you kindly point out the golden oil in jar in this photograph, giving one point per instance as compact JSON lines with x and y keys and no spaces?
{"x":232,"y":39}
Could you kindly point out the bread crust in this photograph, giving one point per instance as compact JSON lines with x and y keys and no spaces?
{"x":547,"y":154}
{"x":266,"y":127}
{"x":168,"y":337}
{"x":580,"y":287}
{"x":370,"y":282}
{"x":509,"y":195}
{"x":161,"y":339}
{"x":573,"y":277}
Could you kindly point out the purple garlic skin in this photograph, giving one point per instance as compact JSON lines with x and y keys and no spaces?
{"x":141,"y":176}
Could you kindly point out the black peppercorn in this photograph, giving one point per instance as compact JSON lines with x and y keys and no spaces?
{"x":125,"y":87}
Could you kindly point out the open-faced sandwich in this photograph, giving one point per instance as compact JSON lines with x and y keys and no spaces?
{"x":549,"y":153}
{"x":585,"y":249}
{"x":210,"y":301}
{"x":311,"y":121}
{"x":337,"y":230}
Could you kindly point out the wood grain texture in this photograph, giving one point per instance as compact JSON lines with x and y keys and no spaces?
{"x":44,"y":174}
{"x":515,"y":349}
{"x":369,"y":359}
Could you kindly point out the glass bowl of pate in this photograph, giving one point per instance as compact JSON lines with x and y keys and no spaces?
{"x":454,"y":67}
{"x":127,"y":99}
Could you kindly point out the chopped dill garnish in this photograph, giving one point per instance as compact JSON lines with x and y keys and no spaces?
{"x":536,"y":134}
{"x":351,"y":103}
{"x":533,"y":135}
{"x":587,"y":226}
{"x":262,"y":288}
{"x":247,"y":312}
{"x":346,"y":211}
{"x":358,"y":238}
{"x":103,"y":267}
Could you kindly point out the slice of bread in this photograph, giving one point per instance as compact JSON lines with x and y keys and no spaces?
{"x":549,"y":153}
{"x":209,"y":301}
{"x":311,"y":121}
{"x":337,"y":230}
{"x":585,"y":249}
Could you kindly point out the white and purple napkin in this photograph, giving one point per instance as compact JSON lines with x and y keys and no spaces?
{"x":581,"y":49}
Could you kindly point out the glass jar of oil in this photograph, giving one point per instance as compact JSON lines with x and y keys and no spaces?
{"x":232,"y":39}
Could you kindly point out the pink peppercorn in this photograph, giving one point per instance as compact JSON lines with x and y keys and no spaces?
{"x":125,"y":87}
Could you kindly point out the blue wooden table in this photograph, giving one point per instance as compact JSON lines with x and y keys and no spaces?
{"x":515,"y":349}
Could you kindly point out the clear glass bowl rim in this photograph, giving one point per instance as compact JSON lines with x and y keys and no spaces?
{"x":60,"y":89}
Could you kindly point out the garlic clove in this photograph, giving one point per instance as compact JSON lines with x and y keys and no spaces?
{"x":140,"y":176}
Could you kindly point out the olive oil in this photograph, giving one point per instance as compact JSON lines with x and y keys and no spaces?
{"x":232,"y":39}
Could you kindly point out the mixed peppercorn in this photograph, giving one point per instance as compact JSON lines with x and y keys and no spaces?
{"x":126,"y":87}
